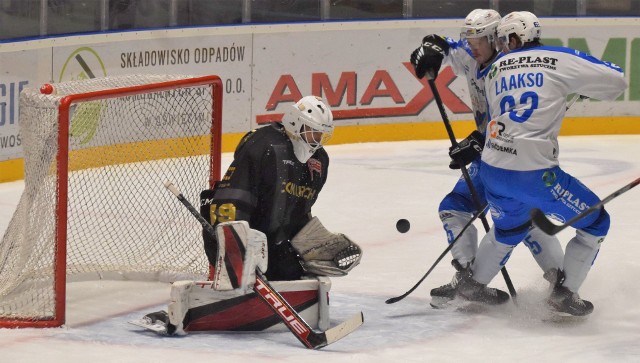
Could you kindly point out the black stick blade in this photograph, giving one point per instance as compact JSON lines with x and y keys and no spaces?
{"x":539,"y":219}
{"x":394,"y":300}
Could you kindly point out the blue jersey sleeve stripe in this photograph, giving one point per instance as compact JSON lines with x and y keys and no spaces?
{"x":579,"y":54}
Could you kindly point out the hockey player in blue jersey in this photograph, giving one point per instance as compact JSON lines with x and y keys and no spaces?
{"x":526,"y":89}
{"x":468,"y":57}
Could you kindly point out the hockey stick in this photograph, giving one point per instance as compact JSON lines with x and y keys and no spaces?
{"x":467,"y":178}
{"x":275,"y":301}
{"x":573,"y":100}
{"x":539,"y":219}
{"x":444,"y":253}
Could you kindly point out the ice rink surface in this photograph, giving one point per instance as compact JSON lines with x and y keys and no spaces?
{"x":370,"y":187}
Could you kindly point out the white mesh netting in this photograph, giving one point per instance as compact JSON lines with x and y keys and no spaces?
{"x":122,"y":222}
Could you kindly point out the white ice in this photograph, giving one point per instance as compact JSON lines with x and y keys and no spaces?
{"x":370,"y":187}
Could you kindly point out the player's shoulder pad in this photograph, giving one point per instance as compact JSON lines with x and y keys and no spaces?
{"x":258,"y":140}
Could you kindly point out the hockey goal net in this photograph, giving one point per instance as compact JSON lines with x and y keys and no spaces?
{"x":97,"y":153}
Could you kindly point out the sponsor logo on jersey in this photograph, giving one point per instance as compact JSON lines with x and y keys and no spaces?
{"x":501,"y":148}
{"x":473,"y":169}
{"x":299,"y":191}
{"x":288,"y":162}
{"x":549,"y":177}
{"x":511,"y":63}
{"x":493,"y":71}
{"x":229,"y":173}
{"x":497,"y":131}
{"x":496,"y":212}
{"x":569,"y":199}
{"x":527,"y":61}
{"x":314,"y":165}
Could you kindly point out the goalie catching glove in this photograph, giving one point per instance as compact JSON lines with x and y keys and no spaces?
{"x":325,"y":253}
{"x":427,"y":58}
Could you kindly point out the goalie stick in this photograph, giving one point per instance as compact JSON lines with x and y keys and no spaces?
{"x":547,"y":226}
{"x":444,"y":253}
{"x":293,"y":321}
{"x":467,"y":179}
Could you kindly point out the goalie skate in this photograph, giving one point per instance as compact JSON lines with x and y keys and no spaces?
{"x":156,"y":322}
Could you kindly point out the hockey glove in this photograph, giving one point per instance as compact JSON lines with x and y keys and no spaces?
{"x":467,"y":150}
{"x":427,"y":58}
{"x":325,"y":253}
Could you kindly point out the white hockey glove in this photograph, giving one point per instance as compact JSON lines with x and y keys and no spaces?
{"x":240,"y":251}
{"x":325,"y":253}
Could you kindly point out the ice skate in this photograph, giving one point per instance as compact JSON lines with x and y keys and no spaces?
{"x":441,"y":296}
{"x":157,"y":322}
{"x":567,"y":303}
{"x":471,"y":290}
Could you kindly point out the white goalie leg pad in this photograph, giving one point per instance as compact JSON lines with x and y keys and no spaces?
{"x":323,"y":302}
{"x":188,"y":295}
{"x":325,"y":253}
{"x":240,"y":251}
{"x":177,"y":309}
{"x":491,"y":256}
{"x":465,"y":248}
{"x":579,"y":257}
{"x":546,"y":250}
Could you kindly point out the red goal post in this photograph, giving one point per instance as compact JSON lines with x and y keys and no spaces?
{"x":97,"y":153}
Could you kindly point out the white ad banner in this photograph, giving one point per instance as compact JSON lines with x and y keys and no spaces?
{"x":228,"y":57}
{"x":361,"y":69}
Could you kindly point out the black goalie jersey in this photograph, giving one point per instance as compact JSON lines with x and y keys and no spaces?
{"x":267,"y":186}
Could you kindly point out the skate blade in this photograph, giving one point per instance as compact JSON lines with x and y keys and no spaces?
{"x":557,"y":317}
{"x":157,"y":328}
{"x":441,"y":302}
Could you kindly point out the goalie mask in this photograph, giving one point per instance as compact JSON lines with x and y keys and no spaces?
{"x":309,"y":125}
{"x":521,"y":23}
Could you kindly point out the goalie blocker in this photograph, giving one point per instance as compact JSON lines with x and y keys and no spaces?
{"x":229,"y":303}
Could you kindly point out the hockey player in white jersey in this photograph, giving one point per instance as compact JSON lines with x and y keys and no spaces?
{"x":526,"y":90}
{"x":470,"y":55}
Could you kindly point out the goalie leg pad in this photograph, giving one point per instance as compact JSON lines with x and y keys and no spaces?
{"x":240,"y":251}
{"x":196,"y":306}
{"x":177,"y":309}
{"x":325,"y":253}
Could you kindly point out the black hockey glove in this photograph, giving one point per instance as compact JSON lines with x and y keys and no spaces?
{"x":427,"y":58}
{"x":467,"y":150}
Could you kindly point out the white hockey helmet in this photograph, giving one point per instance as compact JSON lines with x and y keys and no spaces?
{"x":309,"y":124}
{"x":523,"y":23}
{"x":480,"y":23}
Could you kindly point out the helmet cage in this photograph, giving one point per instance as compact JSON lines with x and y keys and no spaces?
{"x":309,"y":124}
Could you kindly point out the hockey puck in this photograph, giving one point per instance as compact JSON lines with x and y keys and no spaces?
{"x":403,"y":225}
